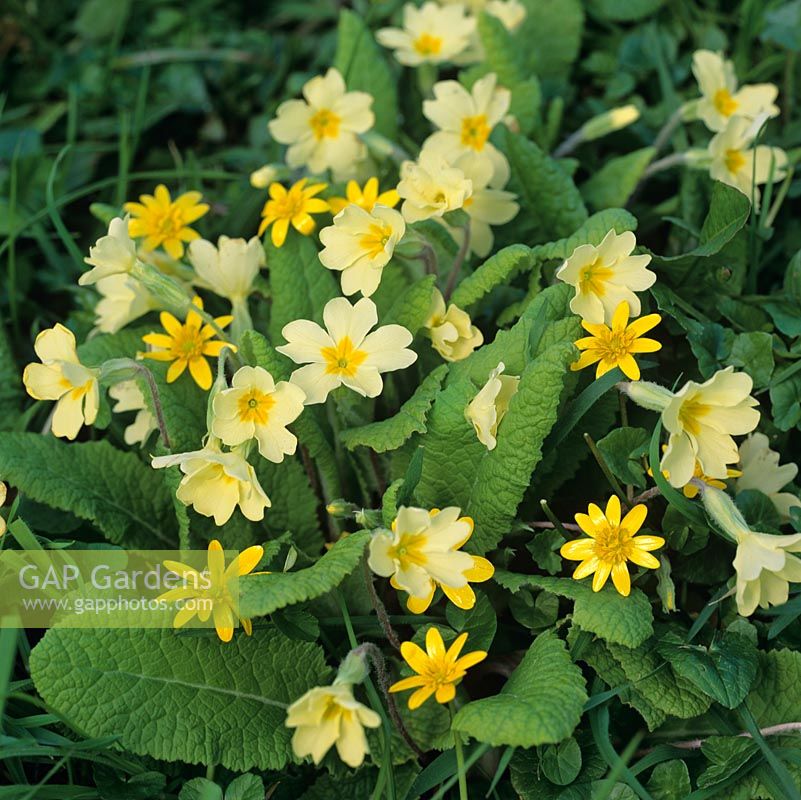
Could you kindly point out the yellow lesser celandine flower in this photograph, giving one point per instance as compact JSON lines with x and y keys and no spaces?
{"x":488,"y":408}
{"x":761,"y":471}
{"x":62,"y":377}
{"x":612,"y":542}
{"x":129,"y":397}
{"x":466,"y":119}
{"x":322,"y":130}
{"x":485,"y":207}
{"x":763,"y":563}
{"x":734,"y":161}
{"x":365,"y":197}
{"x":701,"y":419}
{"x":616,"y":346}
{"x":330,"y":715}
{"x":430,"y":34}
{"x":422,"y":552}
{"x":256,"y":407}
{"x":122,"y":300}
{"x":452,"y":333}
{"x":430,"y":187}
{"x":294,"y":205}
{"x":438,"y":670}
{"x":230,"y":268}
{"x":112,"y":254}
{"x":345,"y":353}
{"x":215,"y":483}
{"x":164,"y":222}
{"x":606,"y":275}
{"x":360,"y":244}
{"x":215,"y":594}
{"x":187,"y":345}
{"x":720,"y":98}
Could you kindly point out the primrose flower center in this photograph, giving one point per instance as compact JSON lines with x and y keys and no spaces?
{"x":428,"y":45}
{"x":475,"y":131}
{"x":724,"y":102}
{"x":593,"y":277}
{"x":375,"y":240}
{"x":325,"y":124}
{"x":734,"y":160}
{"x":409,"y":550}
{"x":613,"y":544}
{"x":690,"y":415}
{"x":343,"y":358}
{"x":254,"y":406}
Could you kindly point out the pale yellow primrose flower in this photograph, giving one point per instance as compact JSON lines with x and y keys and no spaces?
{"x":733,"y":161}
{"x":256,"y":407}
{"x":452,"y":333}
{"x":217,"y":599}
{"x":230,"y":268}
{"x":763,"y":562}
{"x":344,"y":353}
{"x":360,"y":244}
{"x":215,"y":483}
{"x":510,"y":12}
{"x":322,"y":130}
{"x":3,"y":495}
{"x":262,"y":177}
{"x":129,"y":397}
{"x":605,"y":276}
{"x":430,"y":34}
{"x":422,"y":552}
{"x":720,"y":98}
{"x":761,"y":471}
{"x":701,"y":419}
{"x":430,"y":187}
{"x":327,"y":716}
{"x":122,"y":300}
{"x":485,"y":206}
{"x":62,"y":377}
{"x":486,"y":410}
{"x":466,"y":119}
{"x":112,"y":254}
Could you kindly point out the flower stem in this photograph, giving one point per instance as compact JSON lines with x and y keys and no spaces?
{"x":380,"y":609}
{"x":460,"y":768}
{"x":457,"y":263}
{"x":613,"y":482}
{"x":157,"y":407}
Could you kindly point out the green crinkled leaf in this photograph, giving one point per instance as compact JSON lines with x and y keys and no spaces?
{"x":726,"y":754}
{"x":623,"y":620}
{"x":488,"y":485}
{"x":752,"y":352}
{"x":670,"y":780}
{"x":180,"y":698}
{"x":200,"y":789}
{"x":245,"y":787}
{"x":479,"y":622}
{"x":613,"y":184}
{"x":123,"y":344}
{"x":501,"y":53}
{"x":365,"y":69}
{"x":541,"y":703}
{"x":299,"y":284}
{"x":548,"y":197}
{"x":263,"y":594}
{"x":552,"y":32}
{"x":389,"y":434}
{"x":785,"y":399}
{"x":413,"y":306}
{"x":724,"y":671}
{"x":497,"y":270}
{"x":115,"y":490}
{"x":775,"y":696}
{"x":590,"y":232}
{"x":183,"y":404}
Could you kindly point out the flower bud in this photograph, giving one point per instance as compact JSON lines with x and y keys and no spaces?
{"x":368,"y":518}
{"x":646,"y":394}
{"x":167,"y":290}
{"x":116,"y":370}
{"x":353,"y":668}
{"x":341,"y":509}
{"x":722,"y":509}
{"x":263,"y":176}
{"x":609,"y":122}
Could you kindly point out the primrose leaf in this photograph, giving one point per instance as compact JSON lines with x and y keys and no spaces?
{"x":541,"y":703}
{"x":128,"y":500}
{"x":412,"y":307}
{"x":488,"y":485}
{"x":624,"y":10}
{"x":263,"y":594}
{"x":624,"y":620}
{"x":775,"y":696}
{"x":613,"y":184}
{"x":552,"y":32}
{"x":497,"y":270}
{"x":502,"y":55}
{"x":180,"y":698}
{"x":389,"y":434}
